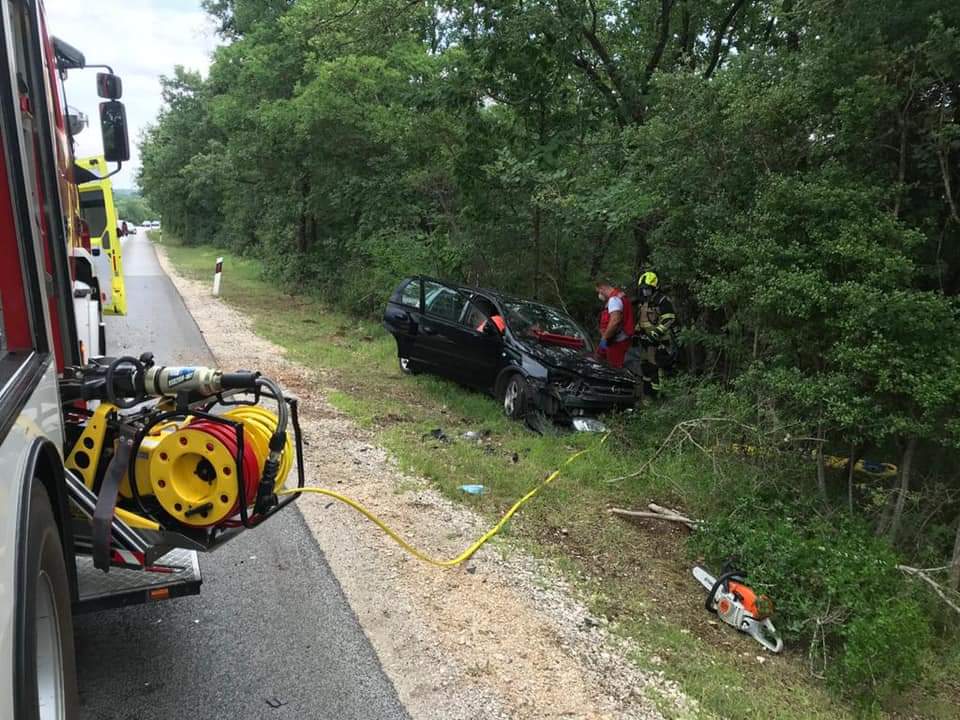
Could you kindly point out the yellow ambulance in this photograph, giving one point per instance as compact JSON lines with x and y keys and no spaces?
{"x":100,"y":214}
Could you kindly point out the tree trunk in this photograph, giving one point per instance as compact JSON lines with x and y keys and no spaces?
{"x":596,"y":257}
{"x":955,"y":562}
{"x":641,"y":247}
{"x":821,"y":465}
{"x":536,"y":251}
{"x":905,"y":468}
{"x":852,"y":458}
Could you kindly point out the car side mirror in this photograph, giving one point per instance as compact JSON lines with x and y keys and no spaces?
{"x":113,"y":127}
{"x":490,"y":330}
{"x":109,"y":86}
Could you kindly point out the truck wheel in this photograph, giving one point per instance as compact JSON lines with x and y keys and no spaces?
{"x":48,"y":681}
{"x":515,"y":396}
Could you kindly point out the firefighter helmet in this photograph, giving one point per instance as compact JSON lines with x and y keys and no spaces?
{"x":648,"y":279}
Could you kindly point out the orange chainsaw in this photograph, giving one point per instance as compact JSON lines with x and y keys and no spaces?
{"x":738,"y":605}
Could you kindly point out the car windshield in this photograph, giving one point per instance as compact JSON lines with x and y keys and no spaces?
{"x":532,"y":320}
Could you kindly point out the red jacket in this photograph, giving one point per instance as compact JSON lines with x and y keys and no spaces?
{"x":626,"y":320}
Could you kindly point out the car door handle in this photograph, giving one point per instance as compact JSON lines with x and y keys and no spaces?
{"x":428,"y":329}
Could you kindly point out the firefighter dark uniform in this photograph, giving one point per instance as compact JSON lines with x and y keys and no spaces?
{"x":656,"y":347}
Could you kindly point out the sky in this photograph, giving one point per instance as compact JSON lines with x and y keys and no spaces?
{"x":141,"y":40}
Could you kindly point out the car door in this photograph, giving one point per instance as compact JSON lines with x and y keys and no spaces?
{"x":403,"y":314}
{"x":451,"y":345}
{"x":440,"y":340}
{"x":482,"y":343}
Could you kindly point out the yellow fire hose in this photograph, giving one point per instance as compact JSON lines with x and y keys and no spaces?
{"x":466,"y":554}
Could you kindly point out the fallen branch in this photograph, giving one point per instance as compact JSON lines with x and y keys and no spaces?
{"x":922,"y":574}
{"x":682,"y":428}
{"x":657,"y":512}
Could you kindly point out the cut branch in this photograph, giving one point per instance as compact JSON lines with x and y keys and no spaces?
{"x":656,"y":512}
{"x":922,"y":574}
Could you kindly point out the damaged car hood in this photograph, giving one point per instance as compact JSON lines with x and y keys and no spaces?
{"x":578,"y":362}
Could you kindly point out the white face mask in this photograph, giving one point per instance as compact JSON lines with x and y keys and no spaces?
{"x":600,"y":296}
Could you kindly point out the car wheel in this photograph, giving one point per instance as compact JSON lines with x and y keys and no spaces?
{"x":408,"y":366}
{"x":49,"y":680}
{"x":515,"y":397}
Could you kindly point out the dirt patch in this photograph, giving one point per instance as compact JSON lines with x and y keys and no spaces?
{"x":502,"y":636}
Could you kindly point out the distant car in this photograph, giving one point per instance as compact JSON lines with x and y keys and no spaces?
{"x":528,"y":355}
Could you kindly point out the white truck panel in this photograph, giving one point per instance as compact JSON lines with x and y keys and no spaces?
{"x":40,"y":418}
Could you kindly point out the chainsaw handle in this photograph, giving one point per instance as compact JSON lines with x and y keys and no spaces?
{"x":762,"y":632}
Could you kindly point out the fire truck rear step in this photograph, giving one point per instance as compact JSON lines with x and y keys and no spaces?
{"x":119,"y":587}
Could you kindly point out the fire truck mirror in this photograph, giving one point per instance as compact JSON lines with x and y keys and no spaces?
{"x":113,"y":126}
{"x":109,"y":86}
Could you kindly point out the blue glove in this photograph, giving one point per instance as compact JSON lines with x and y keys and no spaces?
{"x":603,"y":344}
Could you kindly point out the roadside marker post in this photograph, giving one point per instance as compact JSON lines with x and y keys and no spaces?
{"x":218,"y":271}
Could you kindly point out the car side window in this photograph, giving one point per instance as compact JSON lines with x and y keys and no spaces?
{"x":411,"y":294}
{"x":475,"y":317}
{"x":480,"y":310}
{"x":443,"y":301}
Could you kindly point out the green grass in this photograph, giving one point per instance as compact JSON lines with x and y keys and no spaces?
{"x":636,"y":577}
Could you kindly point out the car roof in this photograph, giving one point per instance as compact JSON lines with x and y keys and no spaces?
{"x":495,"y":295}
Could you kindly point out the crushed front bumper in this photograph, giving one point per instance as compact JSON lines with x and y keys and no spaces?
{"x":580,"y":398}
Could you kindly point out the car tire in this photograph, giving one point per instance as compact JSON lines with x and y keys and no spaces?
{"x":48,"y":681}
{"x":408,"y":366}
{"x":516,"y":397}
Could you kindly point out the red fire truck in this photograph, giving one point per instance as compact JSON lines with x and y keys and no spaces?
{"x":118,"y":470}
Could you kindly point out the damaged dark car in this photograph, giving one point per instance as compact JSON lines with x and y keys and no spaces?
{"x":530,"y":356}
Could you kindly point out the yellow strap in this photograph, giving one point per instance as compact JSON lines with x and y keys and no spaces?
{"x":466,"y":554}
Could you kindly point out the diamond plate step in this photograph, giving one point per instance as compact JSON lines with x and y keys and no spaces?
{"x":99,"y":590}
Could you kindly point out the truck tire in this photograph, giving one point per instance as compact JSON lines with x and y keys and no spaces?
{"x":516,"y":397}
{"x":47,"y":665}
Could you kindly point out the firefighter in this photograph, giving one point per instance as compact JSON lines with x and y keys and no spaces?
{"x":616,"y":324}
{"x":656,"y":348}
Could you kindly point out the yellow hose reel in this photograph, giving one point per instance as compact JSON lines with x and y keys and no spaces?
{"x":189,"y":465}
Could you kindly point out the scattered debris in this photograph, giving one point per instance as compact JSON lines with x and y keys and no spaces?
{"x":476,"y":436}
{"x":275,"y":702}
{"x":538,"y":422}
{"x":473,"y":489}
{"x":436,"y":434}
{"x":586,"y":424}
{"x":657,"y":512}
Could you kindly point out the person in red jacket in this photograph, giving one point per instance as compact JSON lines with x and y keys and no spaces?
{"x":616,"y":324}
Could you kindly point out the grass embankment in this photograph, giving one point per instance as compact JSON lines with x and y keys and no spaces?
{"x":637,"y":575}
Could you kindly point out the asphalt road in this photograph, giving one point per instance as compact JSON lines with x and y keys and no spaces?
{"x":271,"y":634}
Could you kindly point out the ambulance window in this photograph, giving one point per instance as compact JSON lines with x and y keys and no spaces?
{"x":95,"y":213}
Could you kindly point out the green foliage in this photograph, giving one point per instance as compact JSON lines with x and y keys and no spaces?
{"x":134,"y":208}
